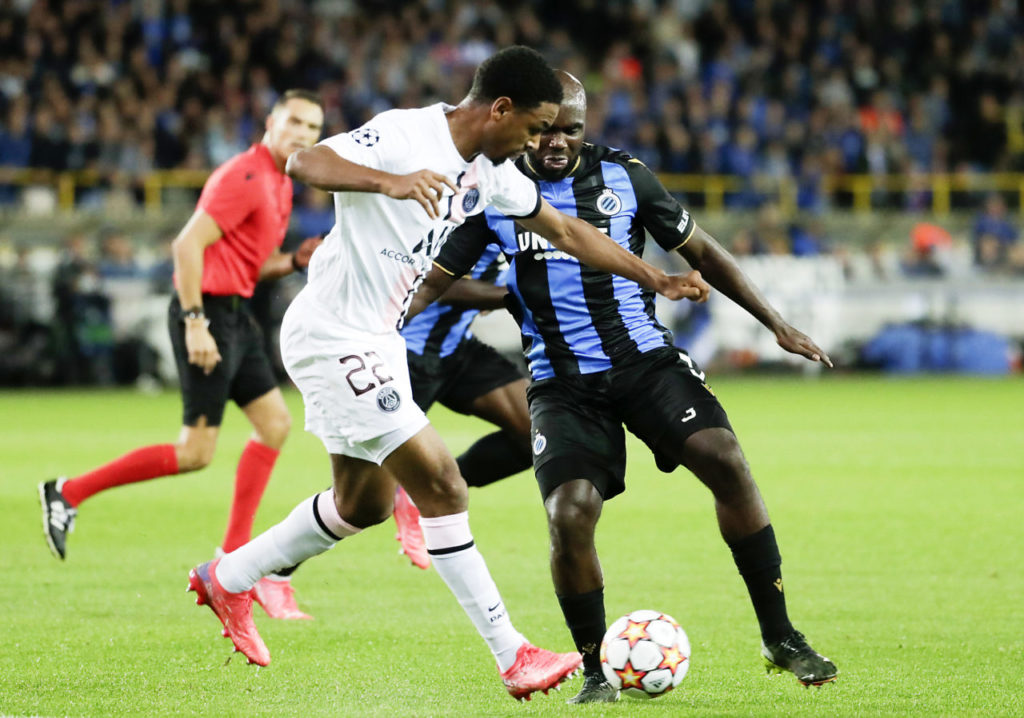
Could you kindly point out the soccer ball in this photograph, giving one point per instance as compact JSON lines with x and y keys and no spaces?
{"x":645,"y":654}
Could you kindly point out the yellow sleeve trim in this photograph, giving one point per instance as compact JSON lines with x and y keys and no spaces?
{"x":693,"y":226}
{"x":447,"y":271}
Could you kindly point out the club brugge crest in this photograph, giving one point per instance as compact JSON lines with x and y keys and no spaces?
{"x":470,"y":199}
{"x":388,"y":400}
{"x":540,"y":442}
{"x":609,"y":203}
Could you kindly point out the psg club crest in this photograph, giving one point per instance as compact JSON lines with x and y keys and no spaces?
{"x":366,"y":136}
{"x":388,"y":400}
{"x":470,"y":199}
{"x":609,"y":203}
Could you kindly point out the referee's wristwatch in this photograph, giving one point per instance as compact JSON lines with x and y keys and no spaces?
{"x":195,"y":313}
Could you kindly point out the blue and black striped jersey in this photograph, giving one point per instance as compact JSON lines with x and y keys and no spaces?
{"x":438,"y":329}
{"x":575,"y":319}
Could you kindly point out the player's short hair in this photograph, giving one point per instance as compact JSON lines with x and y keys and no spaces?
{"x":297,"y":94}
{"x":519,"y":73}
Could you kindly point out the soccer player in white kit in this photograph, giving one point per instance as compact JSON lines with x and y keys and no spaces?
{"x":341,"y":345}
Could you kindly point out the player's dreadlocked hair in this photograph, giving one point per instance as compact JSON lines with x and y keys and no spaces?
{"x":518,"y":73}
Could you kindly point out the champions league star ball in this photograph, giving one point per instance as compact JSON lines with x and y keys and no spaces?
{"x":645,"y":654}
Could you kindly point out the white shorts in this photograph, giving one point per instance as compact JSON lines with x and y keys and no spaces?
{"x":355,"y":386}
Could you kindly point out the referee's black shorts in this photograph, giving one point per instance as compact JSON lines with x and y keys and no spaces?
{"x":457,"y":380}
{"x":244,"y":372}
{"x":578,"y":421}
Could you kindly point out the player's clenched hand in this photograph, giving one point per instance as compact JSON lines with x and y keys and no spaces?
{"x":305,"y":251}
{"x":202,"y":347}
{"x":425,"y":186}
{"x":796,"y":342}
{"x":686,"y":286}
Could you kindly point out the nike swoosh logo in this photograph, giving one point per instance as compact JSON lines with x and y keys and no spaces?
{"x":494,"y":607}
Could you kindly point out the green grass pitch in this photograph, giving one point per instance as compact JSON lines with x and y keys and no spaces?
{"x":898,"y":504}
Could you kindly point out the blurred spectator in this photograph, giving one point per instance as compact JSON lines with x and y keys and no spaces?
{"x":810,"y":190}
{"x":745,"y":243}
{"x":24,"y":338}
{"x":313,"y":212}
{"x":986,"y":137}
{"x":116,"y":256}
{"x":15,"y":148}
{"x":84,"y":339}
{"x":927,"y":242}
{"x":16,"y":136}
{"x":993,"y":236}
{"x":809,"y":240}
{"x":770,"y":235}
{"x":740,"y":159}
{"x":49,"y":141}
{"x":125,"y":285}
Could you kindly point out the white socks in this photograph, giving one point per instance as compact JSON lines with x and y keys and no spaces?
{"x":457,"y":560}
{"x":310,"y":529}
{"x":314,"y":526}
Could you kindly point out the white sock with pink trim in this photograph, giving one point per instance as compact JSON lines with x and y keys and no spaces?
{"x":314,"y":526}
{"x":457,"y":560}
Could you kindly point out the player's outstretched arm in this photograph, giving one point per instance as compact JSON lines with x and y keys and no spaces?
{"x":441,"y":286}
{"x":469,"y":293}
{"x":721,"y":270}
{"x":434,"y":285}
{"x":586,"y":243}
{"x":325,"y":169}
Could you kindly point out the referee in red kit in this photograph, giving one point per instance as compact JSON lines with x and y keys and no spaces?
{"x":232,"y":241}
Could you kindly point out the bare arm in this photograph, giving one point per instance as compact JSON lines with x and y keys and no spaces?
{"x":474,"y":294}
{"x":434,"y":285}
{"x":281,"y":263}
{"x":325,"y":169}
{"x":187,"y":249}
{"x":277,"y":265}
{"x":586,"y":243}
{"x":720,"y":269}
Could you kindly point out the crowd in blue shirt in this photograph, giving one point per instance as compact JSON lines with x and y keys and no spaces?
{"x":765,"y":89}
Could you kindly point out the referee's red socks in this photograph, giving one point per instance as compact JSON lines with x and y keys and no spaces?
{"x":251,"y":479}
{"x":148,"y":462}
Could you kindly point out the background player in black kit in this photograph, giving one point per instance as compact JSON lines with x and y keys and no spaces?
{"x":600,"y":360}
{"x":447,"y":364}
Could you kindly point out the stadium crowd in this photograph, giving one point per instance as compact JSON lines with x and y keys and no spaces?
{"x":746,"y":87}
{"x":758,"y":89}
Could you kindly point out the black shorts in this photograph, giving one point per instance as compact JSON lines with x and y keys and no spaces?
{"x":244,"y":372}
{"x":577,"y":421}
{"x":457,"y":380}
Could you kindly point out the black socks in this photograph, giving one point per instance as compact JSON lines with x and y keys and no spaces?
{"x":584,"y":615}
{"x":757,"y":557}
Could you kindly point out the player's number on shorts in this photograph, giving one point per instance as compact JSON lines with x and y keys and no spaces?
{"x":363,"y":384}
{"x":693,"y":370}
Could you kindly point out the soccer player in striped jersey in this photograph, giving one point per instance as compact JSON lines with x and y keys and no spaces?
{"x":401,"y":183}
{"x":601,"y":360}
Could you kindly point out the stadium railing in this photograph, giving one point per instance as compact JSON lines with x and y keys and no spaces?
{"x":939,"y":193}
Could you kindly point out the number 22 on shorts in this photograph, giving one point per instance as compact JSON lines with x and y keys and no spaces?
{"x":361,"y":368}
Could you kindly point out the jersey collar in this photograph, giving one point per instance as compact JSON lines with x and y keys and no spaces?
{"x":263,"y":152}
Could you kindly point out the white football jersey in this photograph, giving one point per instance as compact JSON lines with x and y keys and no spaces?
{"x":376,"y":255}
